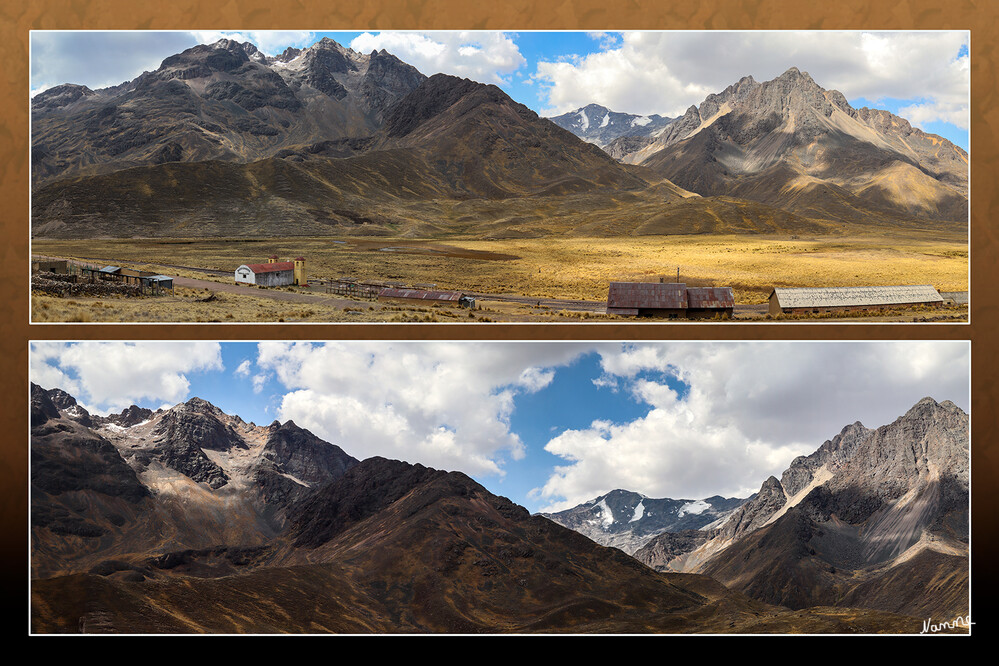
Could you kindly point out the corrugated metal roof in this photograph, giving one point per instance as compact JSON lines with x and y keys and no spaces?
{"x":110,"y":269}
{"x":420,"y":294}
{"x":271,"y":268}
{"x":818,"y":297}
{"x":650,"y":295}
{"x":710,"y":297}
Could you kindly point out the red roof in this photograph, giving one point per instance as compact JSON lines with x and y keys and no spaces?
{"x":272,"y":268}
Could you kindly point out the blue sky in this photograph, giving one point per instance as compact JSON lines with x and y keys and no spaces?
{"x":547,"y":424}
{"x":922,"y":76}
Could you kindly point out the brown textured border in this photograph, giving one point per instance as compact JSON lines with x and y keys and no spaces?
{"x":17,"y":17}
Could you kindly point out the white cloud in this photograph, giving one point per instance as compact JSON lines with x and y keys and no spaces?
{"x":751,"y":408}
{"x":99,"y":59}
{"x":259,"y":381}
{"x":110,"y":376}
{"x":243,"y":370}
{"x":484,"y":56}
{"x":666,"y":72}
{"x":446,"y":405}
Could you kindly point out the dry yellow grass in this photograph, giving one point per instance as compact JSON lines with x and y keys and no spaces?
{"x":578,"y":268}
{"x":188,"y":305}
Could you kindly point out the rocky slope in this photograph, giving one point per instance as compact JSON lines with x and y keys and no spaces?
{"x":197,"y":476}
{"x":601,"y":126}
{"x":852,"y":523}
{"x":628,"y":520}
{"x":223,"y":141}
{"x":792,"y":144}
{"x":223,"y":101}
{"x":448,"y":140}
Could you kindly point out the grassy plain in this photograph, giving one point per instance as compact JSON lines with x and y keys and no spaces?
{"x":570,"y":267}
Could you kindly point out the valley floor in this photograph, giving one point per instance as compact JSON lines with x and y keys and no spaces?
{"x":543,"y":279}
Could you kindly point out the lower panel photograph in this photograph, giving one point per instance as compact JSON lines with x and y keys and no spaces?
{"x":479,"y":487}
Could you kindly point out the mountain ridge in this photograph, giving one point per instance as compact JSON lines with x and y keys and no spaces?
{"x":224,"y":140}
{"x":383,"y":547}
{"x":855,"y":514}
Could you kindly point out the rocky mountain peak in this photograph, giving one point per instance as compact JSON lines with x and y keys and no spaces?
{"x":288,"y":54}
{"x":757,"y":511}
{"x":771,"y":487}
{"x":60,"y":96}
{"x":200,"y":424}
{"x":61,"y":399}
{"x":42,"y":408}
{"x":200,"y":405}
{"x":929,"y":442}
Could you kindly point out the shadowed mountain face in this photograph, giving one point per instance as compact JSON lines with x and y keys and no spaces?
{"x":874,"y":518}
{"x":124,"y":542}
{"x":791,"y":144}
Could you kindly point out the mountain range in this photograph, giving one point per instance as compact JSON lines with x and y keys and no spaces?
{"x":873,"y":518}
{"x":628,"y":520}
{"x":599,"y":125}
{"x":222,"y":140}
{"x":190,"y":520}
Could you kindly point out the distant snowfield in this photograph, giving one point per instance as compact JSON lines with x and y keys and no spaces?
{"x":696,"y":507}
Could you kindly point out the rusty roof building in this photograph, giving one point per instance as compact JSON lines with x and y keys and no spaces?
{"x":668,"y":299}
{"x":710,"y":301}
{"x":825,"y":299}
{"x":425,"y":295}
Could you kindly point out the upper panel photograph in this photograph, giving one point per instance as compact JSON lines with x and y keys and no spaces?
{"x":484,"y":176}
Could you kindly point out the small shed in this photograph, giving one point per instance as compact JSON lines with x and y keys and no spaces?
{"x":844,"y":299}
{"x":704,"y":302}
{"x":644,"y":299}
{"x":60,"y":266}
{"x":273,"y":274}
{"x":158,"y":283}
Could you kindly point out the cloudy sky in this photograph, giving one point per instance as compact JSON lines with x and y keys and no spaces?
{"x":922,"y":76}
{"x":547,"y":424}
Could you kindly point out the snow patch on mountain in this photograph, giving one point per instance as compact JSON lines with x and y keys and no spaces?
{"x":606,"y":120}
{"x":639,"y":512}
{"x":696,"y":507}
{"x":584,"y":120}
{"x":640,"y":121}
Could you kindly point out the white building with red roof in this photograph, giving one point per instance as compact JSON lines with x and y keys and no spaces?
{"x":274,"y":273}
